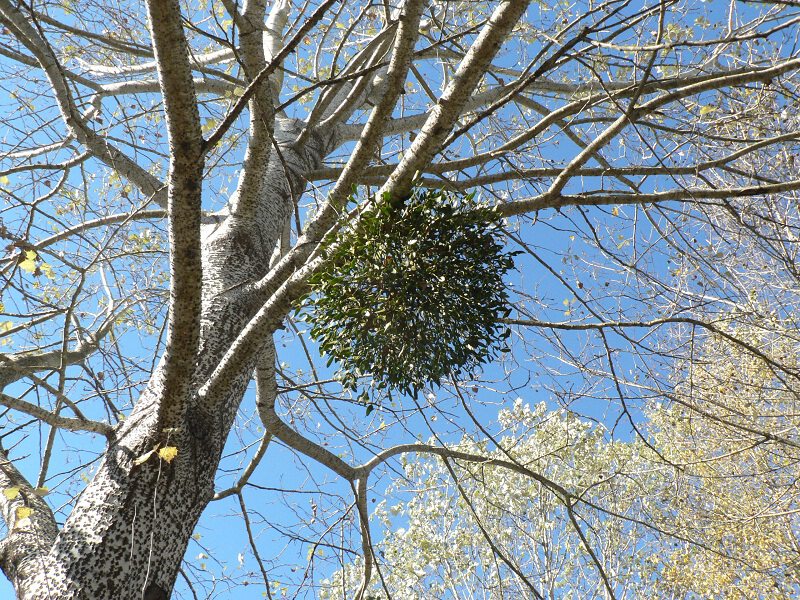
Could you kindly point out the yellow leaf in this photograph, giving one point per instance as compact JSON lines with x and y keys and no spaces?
{"x":704,"y":110}
{"x":41,"y":491}
{"x":47,"y":270}
{"x":23,"y":512}
{"x":615,"y":211}
{"x":11,"y":492}
{"x":4,"y":180}
{"x":209,"y":125}
{"x":168,"y":453}
{"x":29,"y":264}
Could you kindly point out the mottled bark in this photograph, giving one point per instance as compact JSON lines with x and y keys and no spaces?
{"x":129,"y":529}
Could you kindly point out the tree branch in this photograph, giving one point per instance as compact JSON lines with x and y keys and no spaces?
{"x":495,"y":549}
{"x":55,"y":420}
{"x":250,"y":338}
{"x":29,"y":37}
{"x":451,"y":104}
{"x":31,"y":527}
{"x":265,"y":73}
{"x":244,"y":478}
{"x":548,"y":200}
{"x":184,"y":204}
{"x":266,"y":394}
{"x":366,"y":537}
{"x":407,"y":34}
{"x":14,"y":367}
{"x":250,"y":191}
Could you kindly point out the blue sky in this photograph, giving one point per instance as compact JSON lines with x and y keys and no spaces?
{"x":562,"y":275}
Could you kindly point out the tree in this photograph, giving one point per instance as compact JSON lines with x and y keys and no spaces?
{"x":702,"y":508}
{"x":734,"y":496}
{"x":501,"y":534}
{"x":177,"y":174}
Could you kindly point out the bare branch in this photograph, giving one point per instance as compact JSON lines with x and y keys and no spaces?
{"x":366,"y":537}
{"x":244,"y":478}
{"x":266,"y":390}
{"x":31,"y":527}
{"x":55,"y":420}
{"x":451,"y":103}
{"x":101,"y":148}
{"x":184,"y":200}
{"x":265,"y":73}
{"x":14,"y":367}
{"x":253,"y":546}
{"x":407,"y":33}
{"x":548,"y":200}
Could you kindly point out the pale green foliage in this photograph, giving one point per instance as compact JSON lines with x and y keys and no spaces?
{"x":433,"y":547}
{"x":736,"y":493}
{"x":702,"y":509}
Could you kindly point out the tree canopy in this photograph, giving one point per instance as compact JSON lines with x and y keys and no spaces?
{"x":408,"y":299}
{"x":698,"y":508}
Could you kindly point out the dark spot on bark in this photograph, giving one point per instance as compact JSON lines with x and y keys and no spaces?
{"x":185,"y":147}
{"x":193,"y":185}
{"x":155,"y":592}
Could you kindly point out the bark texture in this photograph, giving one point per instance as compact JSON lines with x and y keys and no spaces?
{"x":128,"y":531}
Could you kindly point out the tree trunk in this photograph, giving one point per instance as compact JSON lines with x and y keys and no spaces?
{"x":128,"y":532}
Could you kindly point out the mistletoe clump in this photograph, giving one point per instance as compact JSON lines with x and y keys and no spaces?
{"x":413,"y":292}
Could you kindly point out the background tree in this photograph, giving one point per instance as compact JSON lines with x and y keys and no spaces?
{"x":702,"y":508}
{"x":175,"y":175}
